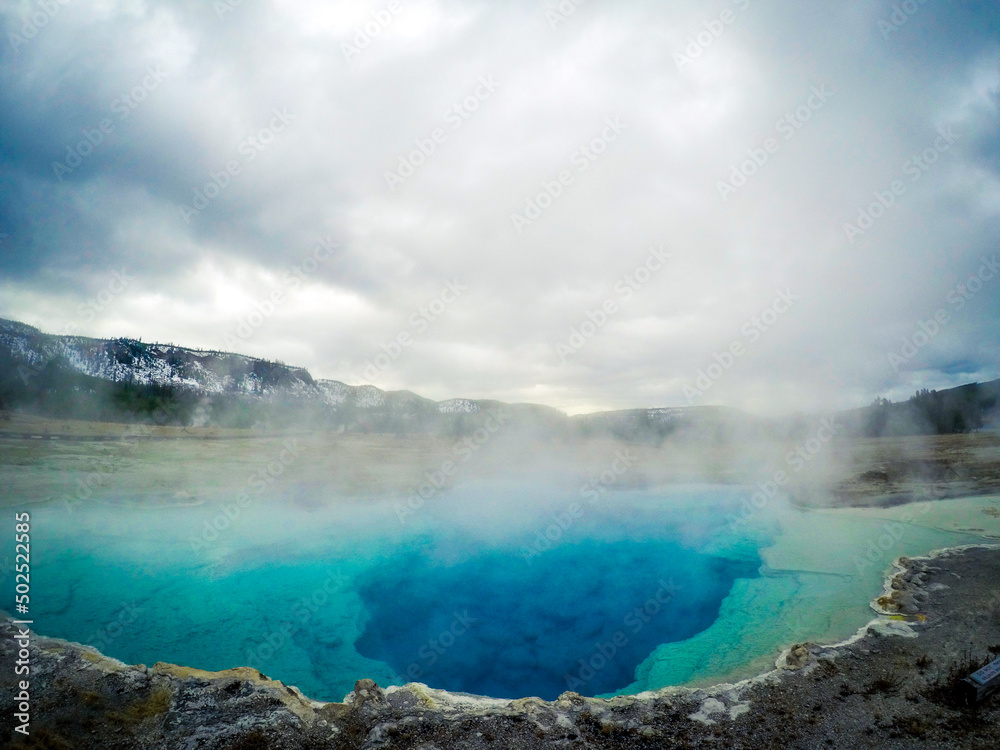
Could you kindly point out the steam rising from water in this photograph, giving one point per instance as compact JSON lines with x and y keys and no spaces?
{"x":322,"y":598}
{"x":499,"y":589}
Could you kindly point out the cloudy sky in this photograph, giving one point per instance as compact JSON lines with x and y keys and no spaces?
{"x":771,"y":205}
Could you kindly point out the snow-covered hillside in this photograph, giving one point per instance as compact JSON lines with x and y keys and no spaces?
{"x":206,"y":372}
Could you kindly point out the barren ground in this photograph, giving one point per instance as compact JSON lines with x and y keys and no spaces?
{"x":44,"y":459}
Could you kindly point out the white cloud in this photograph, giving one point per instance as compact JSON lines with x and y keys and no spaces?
{"x":655,"y":184}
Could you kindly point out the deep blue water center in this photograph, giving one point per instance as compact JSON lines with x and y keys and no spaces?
{"x":580,"y":617}
{"x":483,"y":592}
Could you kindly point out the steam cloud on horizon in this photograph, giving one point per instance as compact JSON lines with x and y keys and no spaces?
{"x":573,"y":203}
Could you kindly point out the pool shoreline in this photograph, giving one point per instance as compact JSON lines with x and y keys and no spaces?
{"x":745,"y":708}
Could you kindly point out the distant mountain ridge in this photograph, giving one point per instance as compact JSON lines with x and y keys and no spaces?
{"x":124,"y":379}
{"x":201,"y":384}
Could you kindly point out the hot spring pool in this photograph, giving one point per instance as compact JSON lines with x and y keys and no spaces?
{"x":581,"y":617}
{"x":506,"y":592}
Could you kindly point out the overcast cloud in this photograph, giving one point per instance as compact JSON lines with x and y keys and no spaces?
{"x":388,"y":147}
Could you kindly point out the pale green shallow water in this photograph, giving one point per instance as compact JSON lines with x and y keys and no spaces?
{"x":820,"y":576}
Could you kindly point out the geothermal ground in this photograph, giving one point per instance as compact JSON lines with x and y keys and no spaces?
{"x":892,"y":687}
{"x":44,"y":459}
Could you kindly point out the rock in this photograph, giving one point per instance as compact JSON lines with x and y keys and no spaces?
{"x":798,"y":655}
{"x":365,"y":692}
{"x":887,"y":604}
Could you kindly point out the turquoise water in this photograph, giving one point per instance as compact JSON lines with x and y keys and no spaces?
{"x":502,"y":592}
{"x":498,"y":591}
